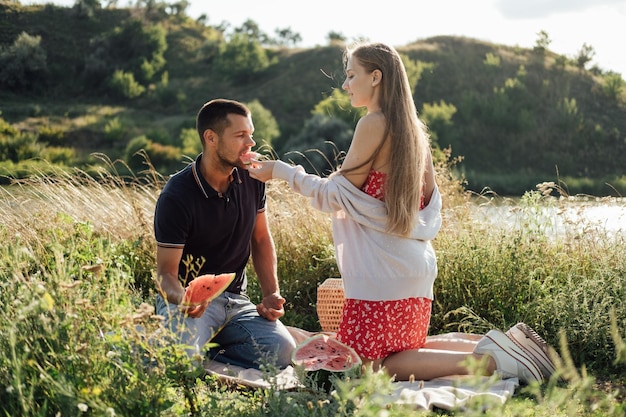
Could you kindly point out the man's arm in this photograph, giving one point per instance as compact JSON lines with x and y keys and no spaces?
{"x":264,"y":261}
{"x":168,"y":284}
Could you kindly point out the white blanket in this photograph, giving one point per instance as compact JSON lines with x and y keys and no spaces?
{"x":449,"y":393}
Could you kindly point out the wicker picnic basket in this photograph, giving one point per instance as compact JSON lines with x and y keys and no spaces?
{"x":330,"y":299}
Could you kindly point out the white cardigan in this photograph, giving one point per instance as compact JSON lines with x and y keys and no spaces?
{"x":374,"y":264}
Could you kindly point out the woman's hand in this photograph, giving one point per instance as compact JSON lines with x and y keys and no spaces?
{"x":262,"y":170}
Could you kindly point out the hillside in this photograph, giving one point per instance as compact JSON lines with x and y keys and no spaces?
{"x":516,"y":116}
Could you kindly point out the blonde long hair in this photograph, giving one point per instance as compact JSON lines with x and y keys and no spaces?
{"x":409,"y":137}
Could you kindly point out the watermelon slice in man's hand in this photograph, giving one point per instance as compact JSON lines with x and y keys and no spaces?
{"x":205,"y":288}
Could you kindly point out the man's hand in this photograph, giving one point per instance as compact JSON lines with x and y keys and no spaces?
{"x":193,"y":310}
{"x":271,"y":307}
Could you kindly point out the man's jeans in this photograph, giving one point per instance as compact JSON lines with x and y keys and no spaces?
{"x":231,"y":321}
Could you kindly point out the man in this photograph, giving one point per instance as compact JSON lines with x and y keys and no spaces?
{"x":209,"y":219}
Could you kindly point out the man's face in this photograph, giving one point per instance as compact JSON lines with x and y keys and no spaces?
{"x":235,"y":141}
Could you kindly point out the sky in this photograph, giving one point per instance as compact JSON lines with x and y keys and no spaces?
{"x":569,"y":24}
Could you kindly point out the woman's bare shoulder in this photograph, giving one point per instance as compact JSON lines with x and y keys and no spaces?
{"x":371,"y":126}
{"x":372,"y":120}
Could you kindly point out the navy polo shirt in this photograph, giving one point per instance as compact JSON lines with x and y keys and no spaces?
{"x":214,"y":229}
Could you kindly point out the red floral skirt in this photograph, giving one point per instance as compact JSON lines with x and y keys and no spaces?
{"x":376,"y":329}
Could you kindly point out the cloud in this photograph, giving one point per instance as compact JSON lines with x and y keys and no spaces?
{"x":531,"y":9}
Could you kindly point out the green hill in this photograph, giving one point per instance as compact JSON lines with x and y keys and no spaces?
{"x":79,"y":80}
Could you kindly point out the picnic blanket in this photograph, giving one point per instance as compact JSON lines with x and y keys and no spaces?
{"x":449,"y":393}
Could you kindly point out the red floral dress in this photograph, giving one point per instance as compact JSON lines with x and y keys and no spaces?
{"x":376,"y":329}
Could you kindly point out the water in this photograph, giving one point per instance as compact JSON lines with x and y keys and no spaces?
{"x":559,"y":217}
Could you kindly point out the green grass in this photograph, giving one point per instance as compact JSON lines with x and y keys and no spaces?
{"x":77,"y":264}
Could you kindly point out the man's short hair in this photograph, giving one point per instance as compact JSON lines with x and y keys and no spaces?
{"x":214,"y":115}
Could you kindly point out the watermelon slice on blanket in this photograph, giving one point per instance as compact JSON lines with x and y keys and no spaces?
{"x":205,"y":288}
{"x":324,"y":352}
{"x":324,"y":360}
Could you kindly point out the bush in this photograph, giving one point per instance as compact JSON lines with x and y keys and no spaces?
{"x":59,"y":155}
{"x":321,"y":144}
{"x":613,"y":85}
{"x":165,"y":158}
{"x":19,"y":147}
{"x":23,"y":65}
{"x":190,"y":142}
{"x":51,"y":135}
{"x":241,"y":59}
{"x":123,"y":84}
{"x":114,"y":130}
{"x":133,"y":149}
{"x":265,"y":125}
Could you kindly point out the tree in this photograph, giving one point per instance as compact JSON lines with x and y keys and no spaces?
{"x":124,"y":85}
{"x":542,"y":42}
{"x":287,"y":36}
{"x":135,"y":48}
{"x":179,"y":8}
{"x":414,"y":69}
{"x":85,"y":8}
{"x":265,"y":125}
{"x":252,"y":31}
{"x":241,"y":58}
{"x":584,"y":56}
{"x":337,"y":105}
{"x":23,"y":65}
{"x":335,"y":37}
{"x":321,"y":144}
{"x":613,"y":85}
{"x":438,"y":118}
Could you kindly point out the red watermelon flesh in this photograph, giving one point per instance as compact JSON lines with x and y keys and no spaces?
{"x":205,"y":288}
{"x":324,"y":352}
{"x":249,"y":157}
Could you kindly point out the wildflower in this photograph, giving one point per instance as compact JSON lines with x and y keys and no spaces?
{"x":47,"y":302}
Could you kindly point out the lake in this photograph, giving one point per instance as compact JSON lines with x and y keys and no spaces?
{"x":559,"y":216}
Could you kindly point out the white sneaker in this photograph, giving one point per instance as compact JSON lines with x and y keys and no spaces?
{"x":534,"y":346}
{"x":511,"y":360}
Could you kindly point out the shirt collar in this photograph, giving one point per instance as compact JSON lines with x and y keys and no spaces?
{"x":204,"y":186}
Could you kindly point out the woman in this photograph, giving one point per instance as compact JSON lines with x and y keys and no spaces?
{"x":386,"y":209}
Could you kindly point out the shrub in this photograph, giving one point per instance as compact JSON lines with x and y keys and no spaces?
{"x":165,"y":158}
{"x":124,"y":85}
{"x":613,"y":85}
{"x":438,"y":118}
{"x":59,"y":155}
{"x":114,"y":130}
{"x":321,"y":144}
{"x":190,"y":142}
{"x":133,"y":148}
{"x":241,"y":59}
{"x":23,"y":65}
{"x":19,"y":147}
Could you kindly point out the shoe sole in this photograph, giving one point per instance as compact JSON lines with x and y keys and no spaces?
{"x":518,"y":354}
{"x":534,"y":345}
